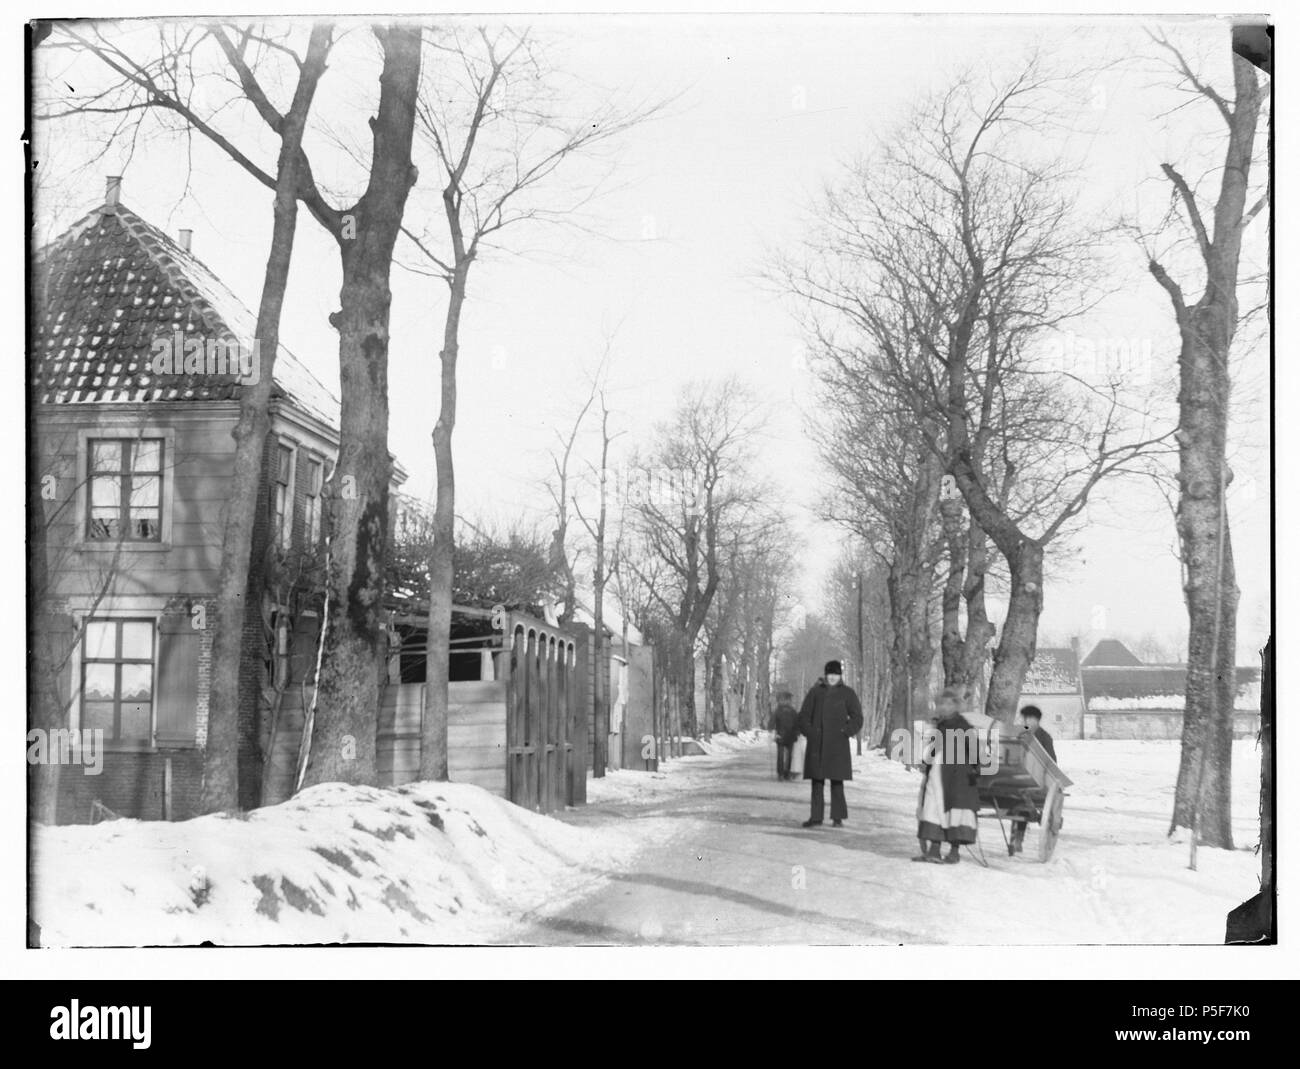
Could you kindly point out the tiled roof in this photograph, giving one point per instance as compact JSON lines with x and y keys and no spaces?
{"x":112,"y":284}
{"x":1052,"y":671}
{"x":1111,"y":652}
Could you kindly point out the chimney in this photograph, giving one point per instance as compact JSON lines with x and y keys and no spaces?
{"x":113,"y":191}
{"x":186,"y":236}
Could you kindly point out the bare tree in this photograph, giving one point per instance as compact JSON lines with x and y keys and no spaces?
{"x":1207,"y":326}
{"x":953,"y":250}
{"x":692,"y":492}
{"x":857,"y":599}
{"x":487,"y":118}
{"x":604,"y":562}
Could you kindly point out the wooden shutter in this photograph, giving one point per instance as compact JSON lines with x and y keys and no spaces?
{"x":176,"y":690}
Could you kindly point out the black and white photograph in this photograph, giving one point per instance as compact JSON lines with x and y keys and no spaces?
{"x":650,"y":480}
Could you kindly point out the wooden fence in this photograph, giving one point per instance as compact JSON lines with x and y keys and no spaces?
{"x":545,"y":718}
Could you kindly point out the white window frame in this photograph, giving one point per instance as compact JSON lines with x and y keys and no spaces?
{"x":80,"y":618}
{"x":85,"y":435}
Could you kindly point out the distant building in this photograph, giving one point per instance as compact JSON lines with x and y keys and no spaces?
{"x":1112,"y":694}
{"x":1111,"y":653}
{"x":1127,"y":699}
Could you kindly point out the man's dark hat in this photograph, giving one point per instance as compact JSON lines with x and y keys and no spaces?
{"x":833,"y":668}
{"x":1032,"y":710}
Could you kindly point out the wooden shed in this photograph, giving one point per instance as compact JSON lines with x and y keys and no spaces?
{"x":516,"y":722}
{"x":518,"y":730}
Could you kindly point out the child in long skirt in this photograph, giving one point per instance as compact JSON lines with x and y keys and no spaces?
{"x":945,"y":809}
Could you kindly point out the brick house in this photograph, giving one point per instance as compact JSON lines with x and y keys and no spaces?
{"x":137,"y":355}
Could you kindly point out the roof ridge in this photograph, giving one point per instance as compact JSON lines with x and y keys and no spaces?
{"x":210,"y":304}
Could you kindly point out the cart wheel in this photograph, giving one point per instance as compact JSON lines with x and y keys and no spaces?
{"x":1051,"y":823}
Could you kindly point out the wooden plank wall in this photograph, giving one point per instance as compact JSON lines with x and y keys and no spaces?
{"x":476,"y":737}
{"x":397,"y":742}
{"x":476,"y":734}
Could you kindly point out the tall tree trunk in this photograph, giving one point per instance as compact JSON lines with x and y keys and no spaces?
{"x":355,"y":641}
{"x":1210,"y":589}
{"x":1202,"y":798}
{"x":1267,"y":833}
{"x":1019,"y":633}
{"x":47,"y":706}
{"x":687,"y":722}
{"x":433,"y":751}
{"x":235,"y":592}
{"x":600,"y":705}
{"x":900,"y":702}
{"x":600,"y":700}
{"x":950,"y":641}
{"x":979,"y":628}
{"x":716,"y":690}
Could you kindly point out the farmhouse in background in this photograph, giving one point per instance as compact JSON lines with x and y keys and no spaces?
{"x":1113,"y":694}
{"x":1127,"y":699}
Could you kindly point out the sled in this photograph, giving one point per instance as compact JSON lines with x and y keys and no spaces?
{"x":1028,"y":785}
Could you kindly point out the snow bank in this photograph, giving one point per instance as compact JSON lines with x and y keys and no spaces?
{"x":424,"y":863}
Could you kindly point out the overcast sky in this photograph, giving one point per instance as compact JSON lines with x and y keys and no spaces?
{"x":763,"y":110}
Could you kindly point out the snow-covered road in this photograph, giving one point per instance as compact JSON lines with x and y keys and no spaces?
{"x":708,"y":851}
{"x":723,"y":860}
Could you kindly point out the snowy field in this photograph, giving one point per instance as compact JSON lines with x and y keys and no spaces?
{"x":702,"y":851}
{"x":428,"y":863}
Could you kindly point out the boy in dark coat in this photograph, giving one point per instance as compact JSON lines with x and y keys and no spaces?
{"x":785,"y":726}
{"x":1033,"y":718}
{"x":830,"y":716}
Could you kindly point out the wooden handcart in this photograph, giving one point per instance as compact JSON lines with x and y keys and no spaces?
{"x":1027,"y":786}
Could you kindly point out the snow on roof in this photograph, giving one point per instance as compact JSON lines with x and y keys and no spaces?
{"x":1247,"y":701}
{"x":1155,"y":687}
{"x":112,"y":284}
{"x":1053,"y":671}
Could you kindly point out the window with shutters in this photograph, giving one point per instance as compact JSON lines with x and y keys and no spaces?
{"x":117,"y":679}
{"x":125,"y":498}
{"x":282,"y":497}
{"x":315,"y":486}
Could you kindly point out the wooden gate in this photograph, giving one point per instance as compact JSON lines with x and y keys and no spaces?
{"x":540,"y":758}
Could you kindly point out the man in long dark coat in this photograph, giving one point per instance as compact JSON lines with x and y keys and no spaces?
{"x":830,"y":716}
